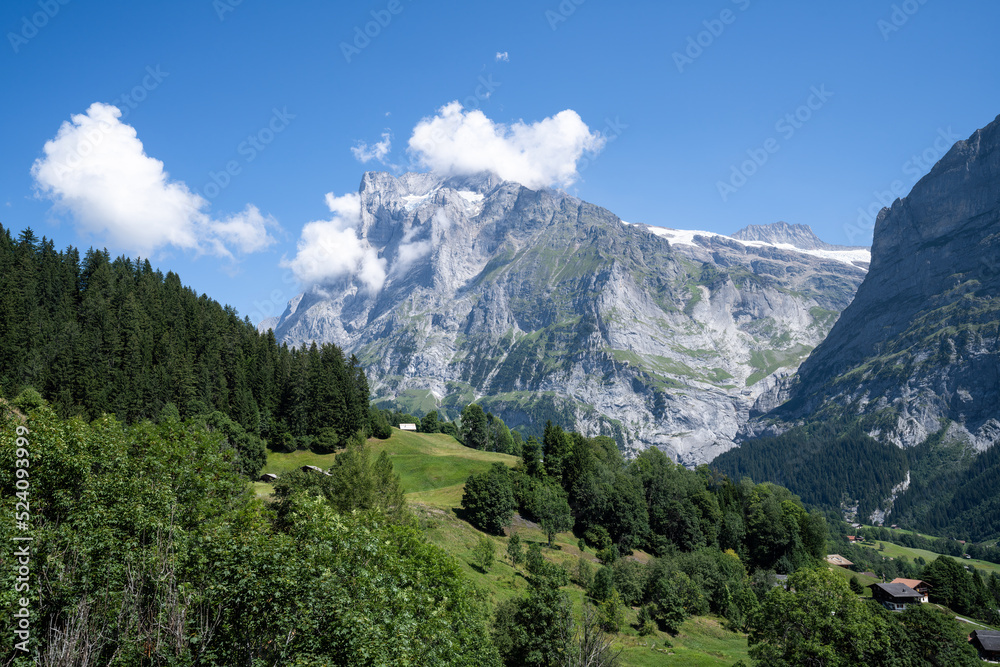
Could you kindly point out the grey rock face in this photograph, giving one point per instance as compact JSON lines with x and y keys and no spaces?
{"x":540,"y":305}
{"x":800,"y":236}
{"x":919,"y":345}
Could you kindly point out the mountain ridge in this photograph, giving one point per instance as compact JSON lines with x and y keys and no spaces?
{"x":913,"y":363}
{"x":922,"y":330}
{"x":542,"y":306}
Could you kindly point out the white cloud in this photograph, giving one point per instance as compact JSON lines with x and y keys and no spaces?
{"x":503,"y":56}
{"x":331,"y":249}
{"x":364,"y":153}
{"x":455,"y":142}
{"x":96,"y":169}
{"x":410,"y":251}
{"x":409,"y":254}
{"x":246,"y":231}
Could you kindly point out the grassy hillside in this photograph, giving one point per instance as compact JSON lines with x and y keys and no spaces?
{"x":433,"y":469}
{"x":896,"y":551}
{"x":424,"y":461}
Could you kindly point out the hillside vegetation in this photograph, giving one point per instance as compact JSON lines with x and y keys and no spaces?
{"x":429,"y":465}
{"x":99,"y":336}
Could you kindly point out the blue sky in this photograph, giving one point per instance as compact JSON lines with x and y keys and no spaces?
{"x":713,"y":114}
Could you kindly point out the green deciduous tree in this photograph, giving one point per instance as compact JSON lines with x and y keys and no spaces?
{"x":488,"y":499}
{"x":535,"y":630}
{"x":429,"y":423}
{"x":474,"y":432}
{"x":551,"y":510}
{"x":611,"y":613}
{"x":933,"y":638}
{"x":821,"y":623}
{"x":514,"y":550}
{"x":485,"y":552}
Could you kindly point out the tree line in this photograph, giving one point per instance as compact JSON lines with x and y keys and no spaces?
{"x":99,"y":336}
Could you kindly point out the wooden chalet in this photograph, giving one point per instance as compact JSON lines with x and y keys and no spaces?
{"x":895,"y":597}
{"x":837,"y":559}
{"x":987,"y":642}
{"x":918,"y":585}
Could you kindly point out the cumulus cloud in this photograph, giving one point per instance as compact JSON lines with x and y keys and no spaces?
{"x":331,"y":249}
{"x":96,"y":169}
{"x":455,"y":142}
{"x":245,"y":231}
{"x":503,"y":56}
{"x":364,"y":153}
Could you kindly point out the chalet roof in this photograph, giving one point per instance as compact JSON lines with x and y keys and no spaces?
{"x":912,"y":583}
{"x":988,"y":639}
{"x":837,"y":559}
{"x":897,"y":590}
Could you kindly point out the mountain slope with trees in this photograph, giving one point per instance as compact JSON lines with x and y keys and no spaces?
{"x":96,"y":335}
{"x":913,"y":361}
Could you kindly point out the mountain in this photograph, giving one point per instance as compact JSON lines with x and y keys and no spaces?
{"x":914,"y":360}
{"x":541,"y":306}
{"x":782,"y":233}
{"x":918,"y":345}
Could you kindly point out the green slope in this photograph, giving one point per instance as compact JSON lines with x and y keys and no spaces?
{"x":433,"y":469}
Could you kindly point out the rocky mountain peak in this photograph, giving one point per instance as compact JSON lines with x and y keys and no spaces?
{"x":918,"y":345}
{"x":541,"y":306}
{"x":796,"y":235}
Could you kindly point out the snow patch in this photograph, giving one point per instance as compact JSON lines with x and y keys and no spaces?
{"x":412,"y":202}
{"x":473,"y":200}
{"x":471,"y":197}
{"x":687,"y":236}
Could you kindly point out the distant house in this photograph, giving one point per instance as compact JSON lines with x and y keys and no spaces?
{"x":987,"y":642}
{"x":268,"y":477}
{"x":852,"y":538}
{"x":315,"y":469}
{"x":837,"y":559}
{"x":894,"y":597}
{"x":918,"y":585}
{"x":407,"y":427}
